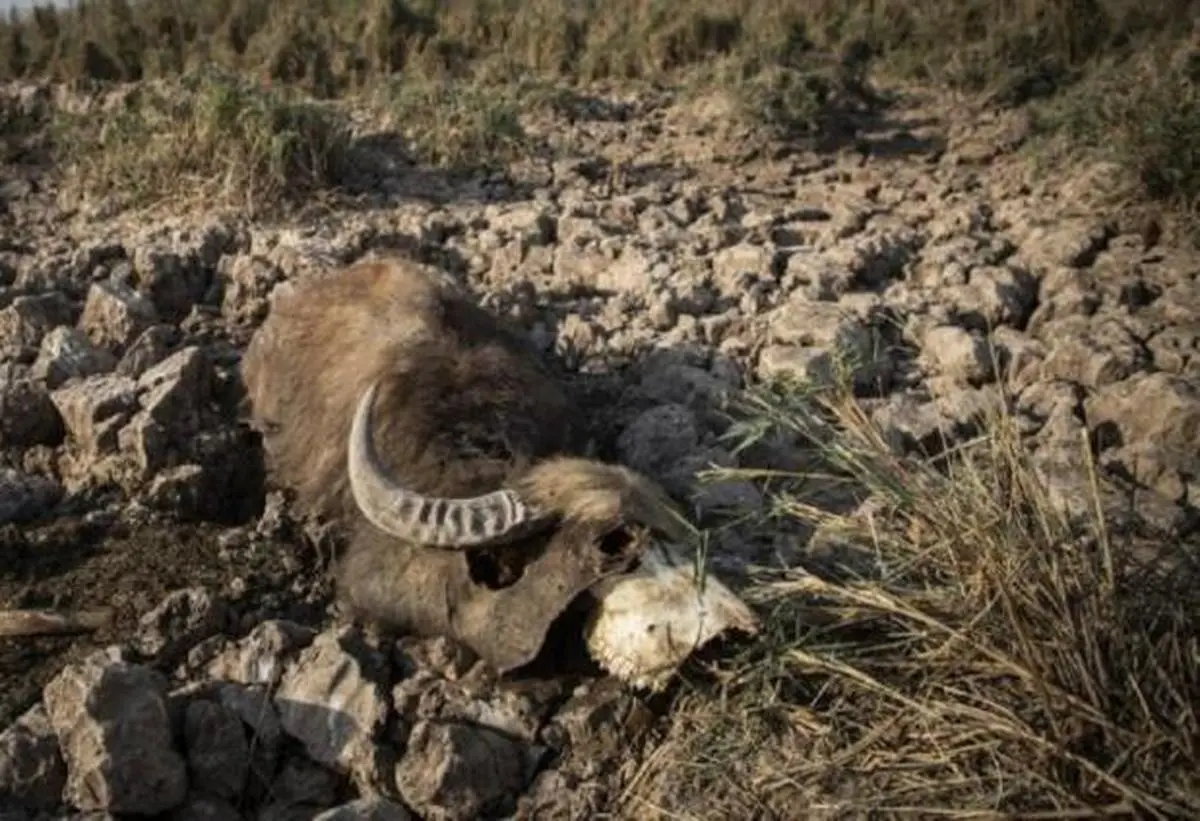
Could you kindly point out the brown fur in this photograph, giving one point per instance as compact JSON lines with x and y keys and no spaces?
{"x":463,"y":408}
{"x":462,"y":402}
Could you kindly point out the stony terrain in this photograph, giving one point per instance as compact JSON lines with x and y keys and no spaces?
{"x":669,"y":263}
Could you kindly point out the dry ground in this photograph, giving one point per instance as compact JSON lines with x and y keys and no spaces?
{"x":95,"y":562}
{"x":966,"y":651}
{"x":1116,"y":78}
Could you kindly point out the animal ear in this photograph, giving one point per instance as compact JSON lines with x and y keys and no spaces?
{"x":500,"y":516}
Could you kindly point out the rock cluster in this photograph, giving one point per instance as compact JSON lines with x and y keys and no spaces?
{"x":292,"y":723}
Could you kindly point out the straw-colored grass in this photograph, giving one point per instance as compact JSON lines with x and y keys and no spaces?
{"x":961,"y":651}
{"x":212,"y":140}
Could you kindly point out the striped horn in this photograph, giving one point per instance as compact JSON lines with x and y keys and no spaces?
{"x":431,"y":521}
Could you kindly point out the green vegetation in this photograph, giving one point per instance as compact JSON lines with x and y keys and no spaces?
{"x":1082,"y":59}
{"x":211,"y":140}
{"x":454,"y":124}
{"x":965,"y":652}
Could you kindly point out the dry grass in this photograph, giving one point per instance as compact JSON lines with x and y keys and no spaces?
{"x":784,"y":61}
{"x":963,"y":652}
{"x":454,"y":124}
{"x":333,"y":45}
{"x":1152,"y":133}
{"x":211,"y":139}
{"x":214,"y":139}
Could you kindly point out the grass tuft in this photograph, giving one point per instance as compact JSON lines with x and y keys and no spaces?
{"x":960,"y":650}
{"x":1144,"y":115}
{"x":455,"y":124}
{"x":214,"y":139}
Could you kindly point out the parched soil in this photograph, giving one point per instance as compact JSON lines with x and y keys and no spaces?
{"x":89,"y":562}
{"x":671,"y":261}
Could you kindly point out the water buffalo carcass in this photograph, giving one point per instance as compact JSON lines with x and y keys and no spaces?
{"x":387,"y":398}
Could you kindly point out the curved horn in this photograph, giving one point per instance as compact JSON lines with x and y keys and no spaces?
{"x":428,"y":520}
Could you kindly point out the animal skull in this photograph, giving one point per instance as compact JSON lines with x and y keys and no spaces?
{"x":388,"y":399}
{"x":647,"y":621}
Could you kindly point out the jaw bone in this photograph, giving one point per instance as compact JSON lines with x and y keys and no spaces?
{"x":647,"y":621}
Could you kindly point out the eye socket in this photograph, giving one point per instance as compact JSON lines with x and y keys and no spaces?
{"x":615,"y":541}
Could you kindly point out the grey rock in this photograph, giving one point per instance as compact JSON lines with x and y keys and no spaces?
{"x":175,"y":270}
{"x":373,"y":808}
{"x":218,"y":753}
{"x":67,"y":353}
{"x":115,"y":734}
{"x":32,"y":770}
{"x":994,"y":295}
{"x":817,"y":276}
{"x":94,"y":409}
{"x":1064,"y":293}
{"x":744,"y":262}
{"x":146,"y":443}
{"x":333,"y":701}
{"x":182,"y":489}
{"x":514,"y":712}
{"x":175,"y":391}
{"x":181,"y":620}
{"x":875,"y":258}
{"x":657,"y":439}
{"x":115,"y":314}
{"x":260,"y":657}
{"x":248,"y":281}
{"x":1176,"y":350}
{"x":1155,"y":420}
{"x":957,"y":354}
{"x":24,"y":496}
{"x":201,"y":807}
{"x":25,"y":321}
{"x":149,"y":348}
{"x":28,"y":416}
{"x":1094,"y":353}
{"x":911,"y":424}
{"x":1075,"y":244}
{"x":455,"y":772}
{"x":256,"y":709}
{"x":1020,"y":357}
{"x":592,"y":719}
{"x":819,"y":341}
{"x":303,"y":782}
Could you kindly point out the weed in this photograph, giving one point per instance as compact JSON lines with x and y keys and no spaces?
{"x":963,"y":651}
{"x":216,"y":139}
{"x":455,"y":124}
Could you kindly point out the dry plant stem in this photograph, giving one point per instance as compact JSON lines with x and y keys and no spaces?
{"x":23,"y":623}
{"x":1098,"y":508}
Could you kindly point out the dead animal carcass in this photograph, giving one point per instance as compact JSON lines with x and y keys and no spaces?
{"x":389,"y":399}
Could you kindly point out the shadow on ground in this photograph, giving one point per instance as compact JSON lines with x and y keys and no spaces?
{"x":871,"y":123}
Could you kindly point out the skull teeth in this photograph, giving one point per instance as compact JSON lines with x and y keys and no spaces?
{"x":622,"y":667}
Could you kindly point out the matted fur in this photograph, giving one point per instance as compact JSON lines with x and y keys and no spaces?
{"x":464,"y":407}
{"x":463,"y":403}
